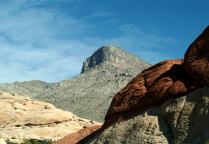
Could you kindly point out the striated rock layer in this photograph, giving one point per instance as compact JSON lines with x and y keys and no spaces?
{"x":22,"y":118}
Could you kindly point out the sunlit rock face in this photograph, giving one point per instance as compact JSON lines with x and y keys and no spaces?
{"x":23,"y":118}
{"x":178,"y":120}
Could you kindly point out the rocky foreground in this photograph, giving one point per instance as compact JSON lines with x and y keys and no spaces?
{"x":166,"y":103}
{"x":182,"y":120}
{"x":22,"y":118}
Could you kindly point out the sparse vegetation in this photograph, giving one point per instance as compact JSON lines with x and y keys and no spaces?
{"x":33,"y":141}
{"x":13,"y":94}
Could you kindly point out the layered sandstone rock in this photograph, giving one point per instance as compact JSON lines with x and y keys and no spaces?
{"x":22,"y":118}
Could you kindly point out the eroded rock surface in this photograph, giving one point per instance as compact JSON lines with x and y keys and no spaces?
{"x":150,"y":88}
{"x":22,"y":118}
{"x":77,"y":136}
{"x":197,"y":58}
{"x":182,"y":120}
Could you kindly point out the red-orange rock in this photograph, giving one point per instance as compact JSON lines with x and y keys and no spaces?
{"x":160,"y":82}
{"x":77,"y":136}
{"x":150,"y":88}
{"x":197,"y":58}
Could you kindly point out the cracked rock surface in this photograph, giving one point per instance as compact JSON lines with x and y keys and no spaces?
{"x":23,"y":118}
{"x":178,"y":120}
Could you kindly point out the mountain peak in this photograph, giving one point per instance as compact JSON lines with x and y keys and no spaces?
{"x":106,"y":53}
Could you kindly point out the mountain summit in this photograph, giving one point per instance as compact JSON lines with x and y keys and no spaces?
{"x":109,"y":54}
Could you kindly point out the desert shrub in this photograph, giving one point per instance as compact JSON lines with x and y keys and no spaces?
{"x":207,"y":142}
{"x":33,"y":141}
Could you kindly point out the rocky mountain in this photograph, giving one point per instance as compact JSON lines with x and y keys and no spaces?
{"x":27,"y":88}
{"x":90,"y":93}
{"x":166,"y":103}
{"x":113,"y":56}
{"x":23,"y":118}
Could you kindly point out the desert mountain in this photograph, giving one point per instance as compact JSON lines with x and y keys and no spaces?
{"x":27,"y":88}
{"x":23,"y":118}
{"x":166,"y":103}
{"x":90,"y":93}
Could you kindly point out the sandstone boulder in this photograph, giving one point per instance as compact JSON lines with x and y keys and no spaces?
{"x":22,"y":118}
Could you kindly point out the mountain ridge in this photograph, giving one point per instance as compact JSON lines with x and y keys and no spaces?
{"x":95,"y":86}
{"x":107,"y":53}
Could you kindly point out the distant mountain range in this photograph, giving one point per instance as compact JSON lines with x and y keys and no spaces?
{"x":89,"y":94}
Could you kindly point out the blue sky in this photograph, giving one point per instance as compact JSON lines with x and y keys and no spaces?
{"x":49,"y":39}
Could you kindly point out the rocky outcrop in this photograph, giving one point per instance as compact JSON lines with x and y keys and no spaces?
{"x":152,"y":87}
{"x":22,"y":118}
{"x":77,"y":136}
{"x":103,"y":54}
{"x":108,"y":54}
{"x":182,"y":120}
{"x":89,"y":94}
{"x":197,"y":58}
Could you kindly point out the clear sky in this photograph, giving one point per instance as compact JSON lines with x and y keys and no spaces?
{"x":49,"y":39}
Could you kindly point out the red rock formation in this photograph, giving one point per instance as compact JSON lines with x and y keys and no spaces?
{"x":197,"y":58}
{"x":150,"y":88}
{"x":77,"y":136}
{"x":160,"y":82}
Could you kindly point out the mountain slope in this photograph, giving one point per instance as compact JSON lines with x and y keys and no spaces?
{"x":27,"y":88}
{"x":89,"y":94}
